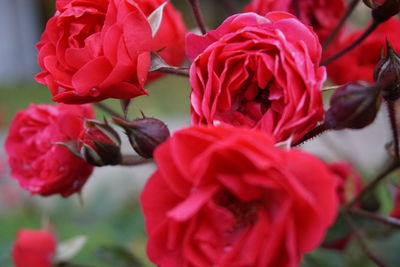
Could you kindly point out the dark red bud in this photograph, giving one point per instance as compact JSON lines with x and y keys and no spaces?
{"x":373,"y":3}
{"x":144,"y":134}
{"x":353,"y":106}
{"x":383,"y":10}
{"x":387,"y":72}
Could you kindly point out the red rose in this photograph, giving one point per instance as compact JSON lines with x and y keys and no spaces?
{"x":226,"y":196}
{"x":322,"y":15}
{"x":34,"y":248}
{"x":359,"y":63}
{"x":260,"y":72}
{"x":40,"y":165}
{"x":97,"y":49}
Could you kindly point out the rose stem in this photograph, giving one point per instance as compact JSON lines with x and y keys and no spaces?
{"x":362,"y":241}
{"x":296,"y":7}
{"x":393,"y":126}
{"x":311,"y":134}
{"x":367,"y":32}
{"x":229,"y":6}
{"x":133,"y":160}
{"x":197,"y":15}
{"x":176,"y":71}
{"x":339,"y":26}
{"x":393,"y":166}
{"x":109,"y":110}
{"x":384,"y":219}
{"x":80,"y":199}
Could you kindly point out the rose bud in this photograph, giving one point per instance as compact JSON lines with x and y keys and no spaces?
{"x":100,"y":144}
{"x":387,"y":72}
{"x":353,"y":106}
{"x":373,"y":3}
{"x":144,"y":134}
{"x":34,"y":248}
{"x":383,"y":10}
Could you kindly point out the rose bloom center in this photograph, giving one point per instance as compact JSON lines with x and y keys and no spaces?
{"x":245,"y":213}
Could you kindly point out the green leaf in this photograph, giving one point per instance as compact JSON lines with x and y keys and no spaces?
{"x":339,"y":230}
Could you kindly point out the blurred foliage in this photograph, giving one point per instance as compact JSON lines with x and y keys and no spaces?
{"x":167,"y":96}
{"x":103,"y":224}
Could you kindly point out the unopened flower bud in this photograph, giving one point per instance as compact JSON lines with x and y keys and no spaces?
{"x":144,"y":134}
{"x":100,"y":144}
{"x":373,"y":3}
{"x":353,"y":106}
{"x":387,"y":72}
{"x":382,"y":10}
